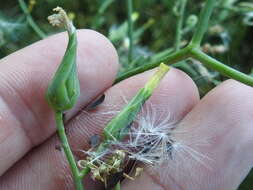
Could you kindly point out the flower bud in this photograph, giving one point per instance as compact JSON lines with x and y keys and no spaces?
{"x":63,"y":90}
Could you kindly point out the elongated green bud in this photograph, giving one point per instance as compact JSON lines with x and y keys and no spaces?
{"x":63,"y":90}
{"x":117,"y":128}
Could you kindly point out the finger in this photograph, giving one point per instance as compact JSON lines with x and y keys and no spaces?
{"x":25,"y":117}
{"x":49,"y":164}
{"x":216,"y":146}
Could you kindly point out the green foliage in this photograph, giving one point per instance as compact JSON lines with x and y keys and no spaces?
{"x":229,"y":36}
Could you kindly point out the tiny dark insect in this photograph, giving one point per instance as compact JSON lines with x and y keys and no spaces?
{"x":94,"y":141}
{"x":170,"y":149}
{"x":95,"y":103}
{"x":58,"y":147}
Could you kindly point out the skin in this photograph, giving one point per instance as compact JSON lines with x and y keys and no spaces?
{"x":29,"y":160}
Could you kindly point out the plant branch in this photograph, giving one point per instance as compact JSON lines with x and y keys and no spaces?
{"x":67,"y":150}
{"x":30,"y":20}
{"x":180,"y":19}
{"x":130,"y":29}
{"x":203,"y":23}
{"x":168,"y":60}
{"x":221,"y":68}
{"x":190,"y":52}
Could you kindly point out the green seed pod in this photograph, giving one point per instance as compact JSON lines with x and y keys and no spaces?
{"x":63,"y":90}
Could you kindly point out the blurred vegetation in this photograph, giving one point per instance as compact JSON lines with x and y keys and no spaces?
{"x":229,"y":38}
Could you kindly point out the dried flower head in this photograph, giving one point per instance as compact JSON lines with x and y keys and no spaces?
{"x":61,"y":20}
{"x":104,"y":165}
{"x":214,"y":48}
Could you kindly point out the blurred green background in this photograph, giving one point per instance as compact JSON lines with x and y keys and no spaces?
{"x":229,"y":38}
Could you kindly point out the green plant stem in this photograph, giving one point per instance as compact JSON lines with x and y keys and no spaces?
{"x":68,"y":153}
{"x":84,"y":172}
{"x":203,"y":22}
{"x":30,"y":20}
{"x":180,"y":19}
{"x":191,"y":52}
{"x":104,"y":6}
{"x":221,"y":68}
{"x":117,"y":187}
{"x":130,"y":29}
{"x":168,"y":60}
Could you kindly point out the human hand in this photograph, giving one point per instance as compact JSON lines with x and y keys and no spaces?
{"x":218,"y":127}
